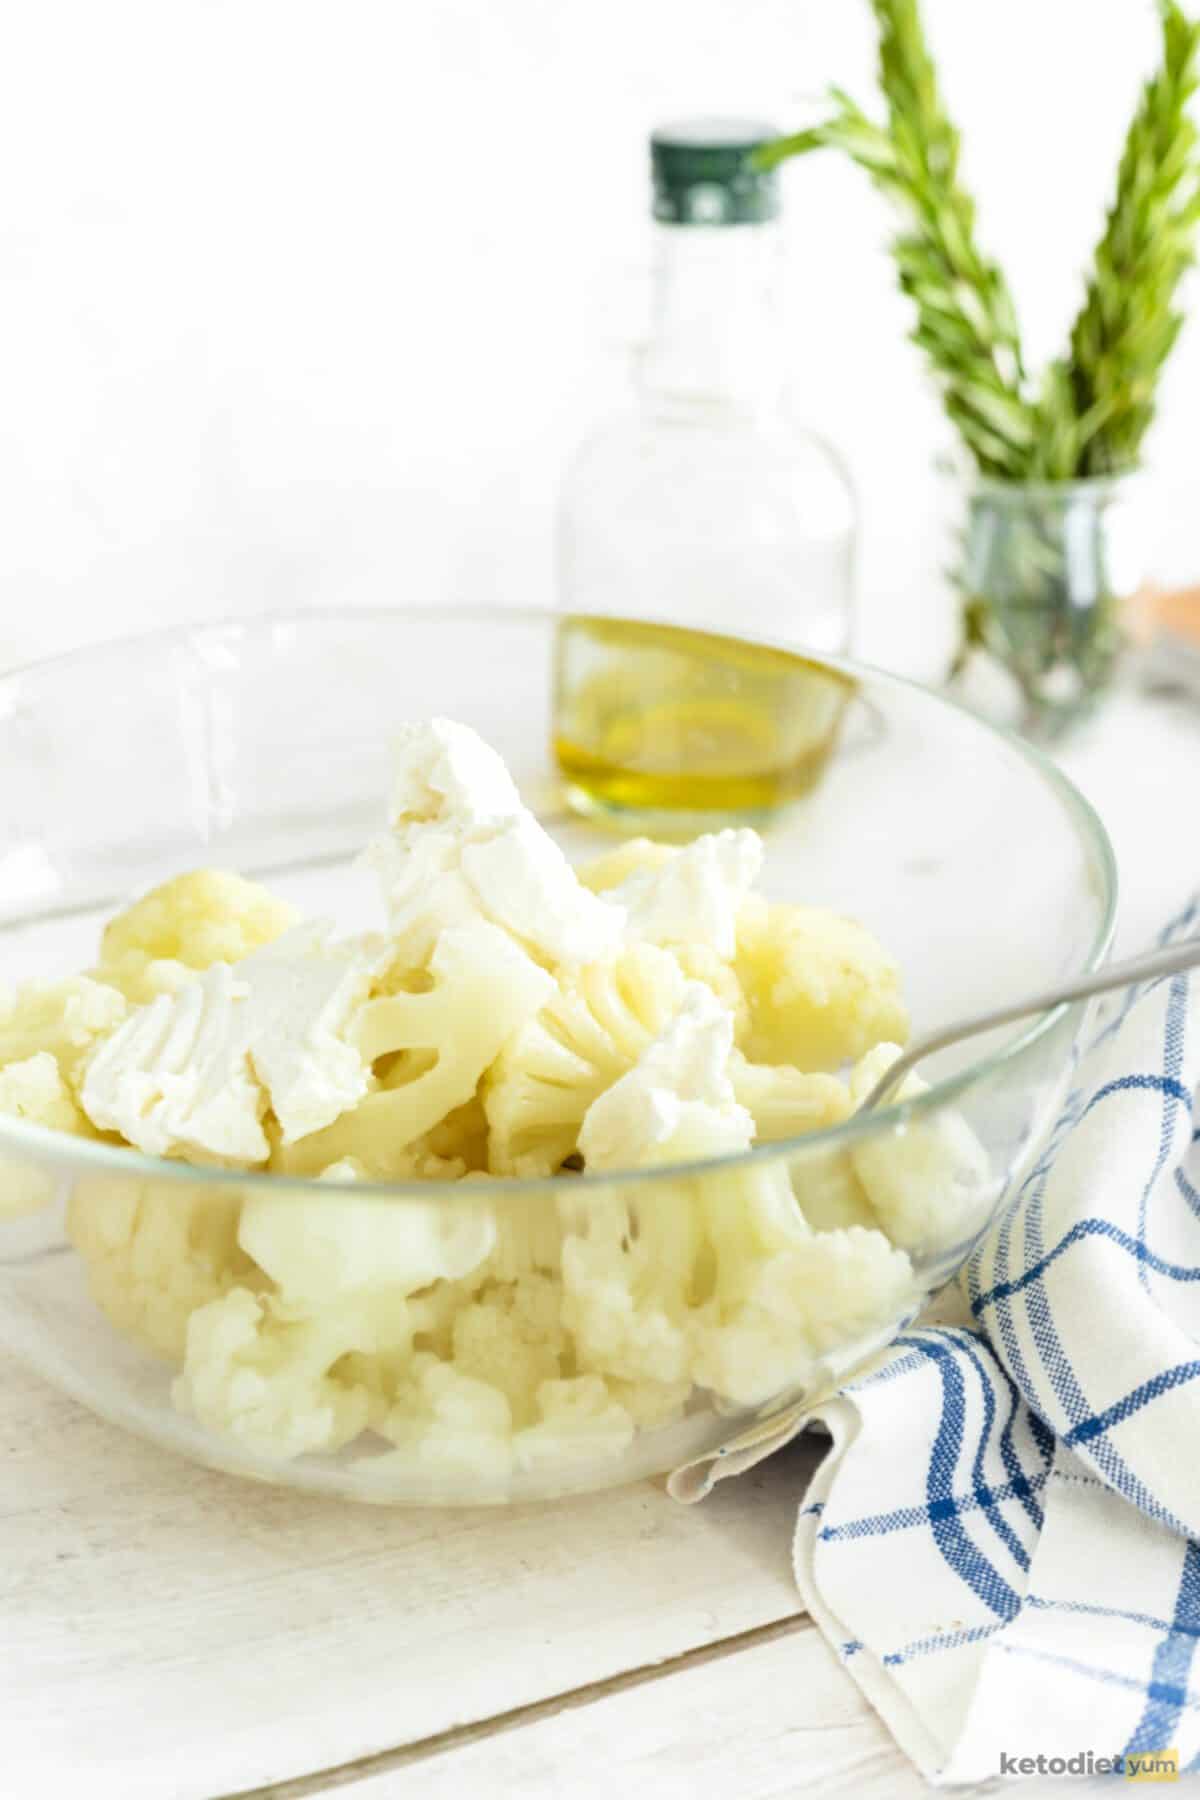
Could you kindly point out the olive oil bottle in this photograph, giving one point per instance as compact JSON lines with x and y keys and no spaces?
{"x":705,"y":507}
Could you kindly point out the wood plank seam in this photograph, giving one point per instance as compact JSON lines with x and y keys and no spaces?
{"x":324,"y":1781}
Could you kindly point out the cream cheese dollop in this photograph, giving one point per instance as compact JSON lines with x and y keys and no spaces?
{"x":462,"y":846}
{"x":695,"y":896}
{"x":194,"y":1072}
{"x":176,"y":1076}
{"x":303,"y":993}
{"x":677,"y":1101}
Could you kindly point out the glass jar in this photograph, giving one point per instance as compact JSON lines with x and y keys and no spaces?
{"x":1046,"y":571}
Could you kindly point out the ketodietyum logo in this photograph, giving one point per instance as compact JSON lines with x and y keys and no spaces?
{"x":1135,"y":1765}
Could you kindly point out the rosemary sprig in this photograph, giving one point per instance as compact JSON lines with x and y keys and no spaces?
{"x":1130,"y":320}
{"x":1091,"y":410}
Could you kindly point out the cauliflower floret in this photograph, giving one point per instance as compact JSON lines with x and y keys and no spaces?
{"x":485,"y":989}
{"x":628,"y":1261}
{"x":344,"y":1310}
{"x":446,"y":1420}
{"x":929,"y":1179}
{"x":748,"y":1217}
{"x":829,"y":1193}
{"x":593,"y":1028}
{"x":155,"y":1253}
{"x":651,"y":1403}
{"x":461,"y":1137}
{"x":319,"y":1249}
{"x":775,"y":1289}
{"x":822,"y":991}
{"x":579,"y":1420}
{"x":699,"y":960}
{"x":417,"y":1163}
{"x":827,"y":1290}
{"x":631,"y":1256}
{"x":35,"y":1091}
{"x":528,"y":1236}
{"x":512,"y":1337}
{"x":62,"y":1018}
{"x":187,"y":924}
{"x":447,"y":1152}
{"x":270,"y":1377}
{"x":420,"y":1163}
{"x":784,"y":1102}
{"x":435,"y":1309}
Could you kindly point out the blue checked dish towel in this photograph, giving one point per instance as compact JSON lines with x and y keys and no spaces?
{"x":1002,"y":1544}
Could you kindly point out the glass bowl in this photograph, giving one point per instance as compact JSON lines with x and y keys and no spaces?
{"x":263,"y":747}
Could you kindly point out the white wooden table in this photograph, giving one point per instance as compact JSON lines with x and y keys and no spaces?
{"x":171,"y":1634}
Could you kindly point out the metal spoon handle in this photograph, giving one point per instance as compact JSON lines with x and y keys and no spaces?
{"x":1169,"y":961}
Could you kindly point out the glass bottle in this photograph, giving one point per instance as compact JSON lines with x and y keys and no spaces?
{"x":708,"y":506}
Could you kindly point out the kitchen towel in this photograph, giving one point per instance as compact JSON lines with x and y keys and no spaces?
{"x":1002,"y":1544}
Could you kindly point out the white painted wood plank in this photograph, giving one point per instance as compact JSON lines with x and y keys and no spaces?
{"x":174,"y":1634}
{"x":763,"y":1721}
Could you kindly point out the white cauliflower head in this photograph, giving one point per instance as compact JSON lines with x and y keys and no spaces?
{"x":579,"y":1421}
{"x":62,"y":1019}
{"x":928,"y":1179}
{"x":156,"y":1252}
{"x":186,"y":925}
{"x":34,"y":1091}
{"x":784,"y":1102}
{"x":825,"y":1291}
{"x":271,"y":1379}
{"x":629,"y":1257}
{"x":318,"y":1249}
{"x":451,"y":1422}
{"x":511,"y":1336}
{"x":821,"y":990}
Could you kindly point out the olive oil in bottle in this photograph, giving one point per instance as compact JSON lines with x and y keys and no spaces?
{"x":676,"y":730}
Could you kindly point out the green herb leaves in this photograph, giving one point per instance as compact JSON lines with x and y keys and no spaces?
{"x":1091,"y":411}
{"x":1129,"y":320}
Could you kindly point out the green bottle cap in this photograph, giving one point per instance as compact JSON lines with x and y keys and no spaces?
{"x":703,"y":173}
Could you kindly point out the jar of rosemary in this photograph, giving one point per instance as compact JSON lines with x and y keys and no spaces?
{"x":1047,"y":568}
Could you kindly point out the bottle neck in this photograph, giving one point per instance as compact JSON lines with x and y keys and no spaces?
{"x":714,"y":339}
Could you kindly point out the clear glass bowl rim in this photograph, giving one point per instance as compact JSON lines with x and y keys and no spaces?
{"x":44,"y":1145}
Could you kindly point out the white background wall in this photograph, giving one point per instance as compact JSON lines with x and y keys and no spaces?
{"x":304,"y":301}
